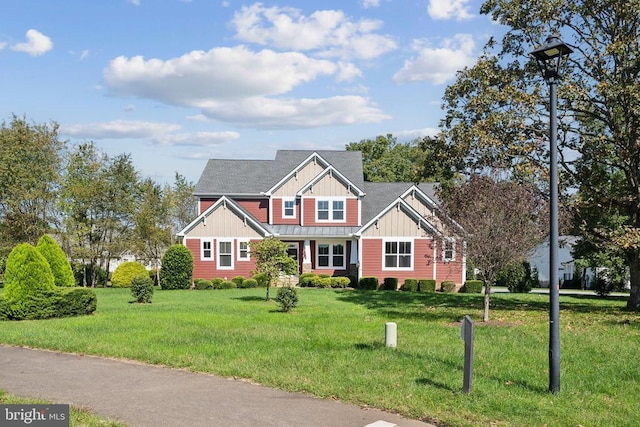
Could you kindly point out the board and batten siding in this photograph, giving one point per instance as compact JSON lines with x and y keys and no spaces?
{"x":298,"y":180}
{"x":223,"y":222}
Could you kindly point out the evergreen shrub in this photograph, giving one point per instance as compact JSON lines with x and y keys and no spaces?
{"x":472,"y":287}
{"x":238,"y":281}
{"x":287,"y":298}
{"x":262,"y":279}
{"x":426,"y":285}
{"x":58,"y":262}
{"x":142,"y":289}
{"x":368,"y":283}
{"x":410,"y":285}
{"x":306,"y":280}
{"x":27,"y":273}
{"x":340,"y":282}
{"x":250,"y":283}
{"x":202,"y":284}
{"x":125,"y":272}
{"x":390,"y":284}
{"x":447,"y":286}
{"x":176,"y":270}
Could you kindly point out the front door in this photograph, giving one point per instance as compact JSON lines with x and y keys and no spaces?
{"x":294,"y":251}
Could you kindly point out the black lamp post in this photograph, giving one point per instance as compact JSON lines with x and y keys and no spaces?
{"x":549,"y":58}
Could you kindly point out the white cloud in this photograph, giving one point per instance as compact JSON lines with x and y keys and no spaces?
{"x":449,"y":9}
{"x":370,"y":3}
{"x":328,"y":32}
{"x":135,"y":2}
{"x":36,"y":44}
{"x":269,"y":113}
{"x":437,"y":64}
{"x":119,"y":129}
{"x":221,"y":73}
{"x":3,"y":45}
{"x":411,"y":134}
{"x":197,"y":138}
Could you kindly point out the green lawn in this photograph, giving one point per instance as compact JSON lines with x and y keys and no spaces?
{"x":332,"y":345}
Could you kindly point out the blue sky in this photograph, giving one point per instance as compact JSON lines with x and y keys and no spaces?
{"x":176,"y":82}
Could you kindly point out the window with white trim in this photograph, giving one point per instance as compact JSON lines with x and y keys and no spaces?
{"x":243,"y":250}
{"x":206,"y":249}
{"x":330,"y":210}
{"x":289,"y":208}
{"x":225,"y":254}
{"x":449,"y":250}
{"x":331,"y":255}
{"x":398,"y":254}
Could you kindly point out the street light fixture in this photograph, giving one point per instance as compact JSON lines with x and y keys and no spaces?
{"x":550,"y":58}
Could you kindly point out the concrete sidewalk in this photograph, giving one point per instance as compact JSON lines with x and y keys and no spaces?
{"x":146,"y":395}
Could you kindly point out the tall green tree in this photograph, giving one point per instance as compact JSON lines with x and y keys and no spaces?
{"x":271,"y":259}
{"x":386,"y":160}
{"x":497,"y":112}
{"x":183,"y":204}
{"x":98,"y":199}
{"x":152,"y":220}
{"x":30,"y":162}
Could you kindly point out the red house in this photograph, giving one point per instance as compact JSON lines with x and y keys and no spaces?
{"x":334,"y":222}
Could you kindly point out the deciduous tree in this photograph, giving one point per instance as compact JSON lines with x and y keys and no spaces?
{"x":272,"y":259}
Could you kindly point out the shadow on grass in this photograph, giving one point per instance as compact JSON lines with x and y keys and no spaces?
{"x":250,"y":298}
{"x":453,"y":307}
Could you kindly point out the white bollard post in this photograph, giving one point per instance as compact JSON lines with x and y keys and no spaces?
{"x":390,"y":334}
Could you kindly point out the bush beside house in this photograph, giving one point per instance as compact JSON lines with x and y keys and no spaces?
{"x":177,"y":268}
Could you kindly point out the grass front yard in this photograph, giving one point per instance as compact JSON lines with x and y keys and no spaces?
{"x":332,"y":345}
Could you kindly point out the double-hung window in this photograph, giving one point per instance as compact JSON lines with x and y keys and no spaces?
{"x":331,"y":255}
{"x":225,"y":254}
{"x":330,"y":210}
{"x":398,"y":255}
{"x":243,"y":250}
{"x":206,"y":249}
{"x":289,"y":208}
{"x":449,"y":250}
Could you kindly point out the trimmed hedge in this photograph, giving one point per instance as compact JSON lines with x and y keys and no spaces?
{"x":238,"y":281}
{"x":249,"y":283}
{"x":125,"y":272}
{"x":340,"y":282}
{"x":390,"y":284}
{"x":472,"y":287}
{"x":410,"y":285}
{"x":447,"y":286}
{"x":58,"y":262}
{"x":202,"y":284}
{"x":306,"y":280}
{"x":426,"y":285}
{"x":177,"y":268}
{"x":60,"y":302}
{"x":368,"y":283}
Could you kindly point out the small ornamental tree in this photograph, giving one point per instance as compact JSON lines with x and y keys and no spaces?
{"x":176,"y":270}
{"x":27,"y":274}
{"x":58,"y":262}
{"x":272,"y":259}
{"x":125,"y":272}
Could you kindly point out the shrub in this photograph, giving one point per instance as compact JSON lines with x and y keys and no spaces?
{"x":250,"y":283}
{"x":216,"y":283}
{"x":426,"y":285}
{"x":202,"y":284}
{"x":262,"y":279}
{"x":177,"y":268}
{"x":287,"y":298}
{"x":125,"y":272}
{"x":390,"y":284}
{"x":142,"y":289}
{"x":59,"y":302}
{"x":340,"y":282}
{"x":447,"y":286}
{"x":305,"y":280}
{"x":517,"y":277}
{"x":27,"y":273}
{"x":353,"y":281}
{"x":227,"y":284}
{"x":58,"y":262}
{"x":323,"y":282}
{"x":472,"y":287}
{"x":410,"y":285}
{"x":368,"y":283}
{"x":238,"y":281}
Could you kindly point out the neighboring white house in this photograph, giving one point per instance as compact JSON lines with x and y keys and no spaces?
{"x":566,"y":264}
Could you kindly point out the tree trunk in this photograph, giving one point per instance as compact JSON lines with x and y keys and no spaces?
{"x":487,"y":295}
{"x":634,"y":273}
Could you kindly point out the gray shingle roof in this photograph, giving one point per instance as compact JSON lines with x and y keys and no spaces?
{"x":251,"y":177}
{"x":381,"y":194}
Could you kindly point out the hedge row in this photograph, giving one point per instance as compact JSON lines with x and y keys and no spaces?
{"x":311,"y":280}
{"x":257,"y":281}
{"x":61,"y":302}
